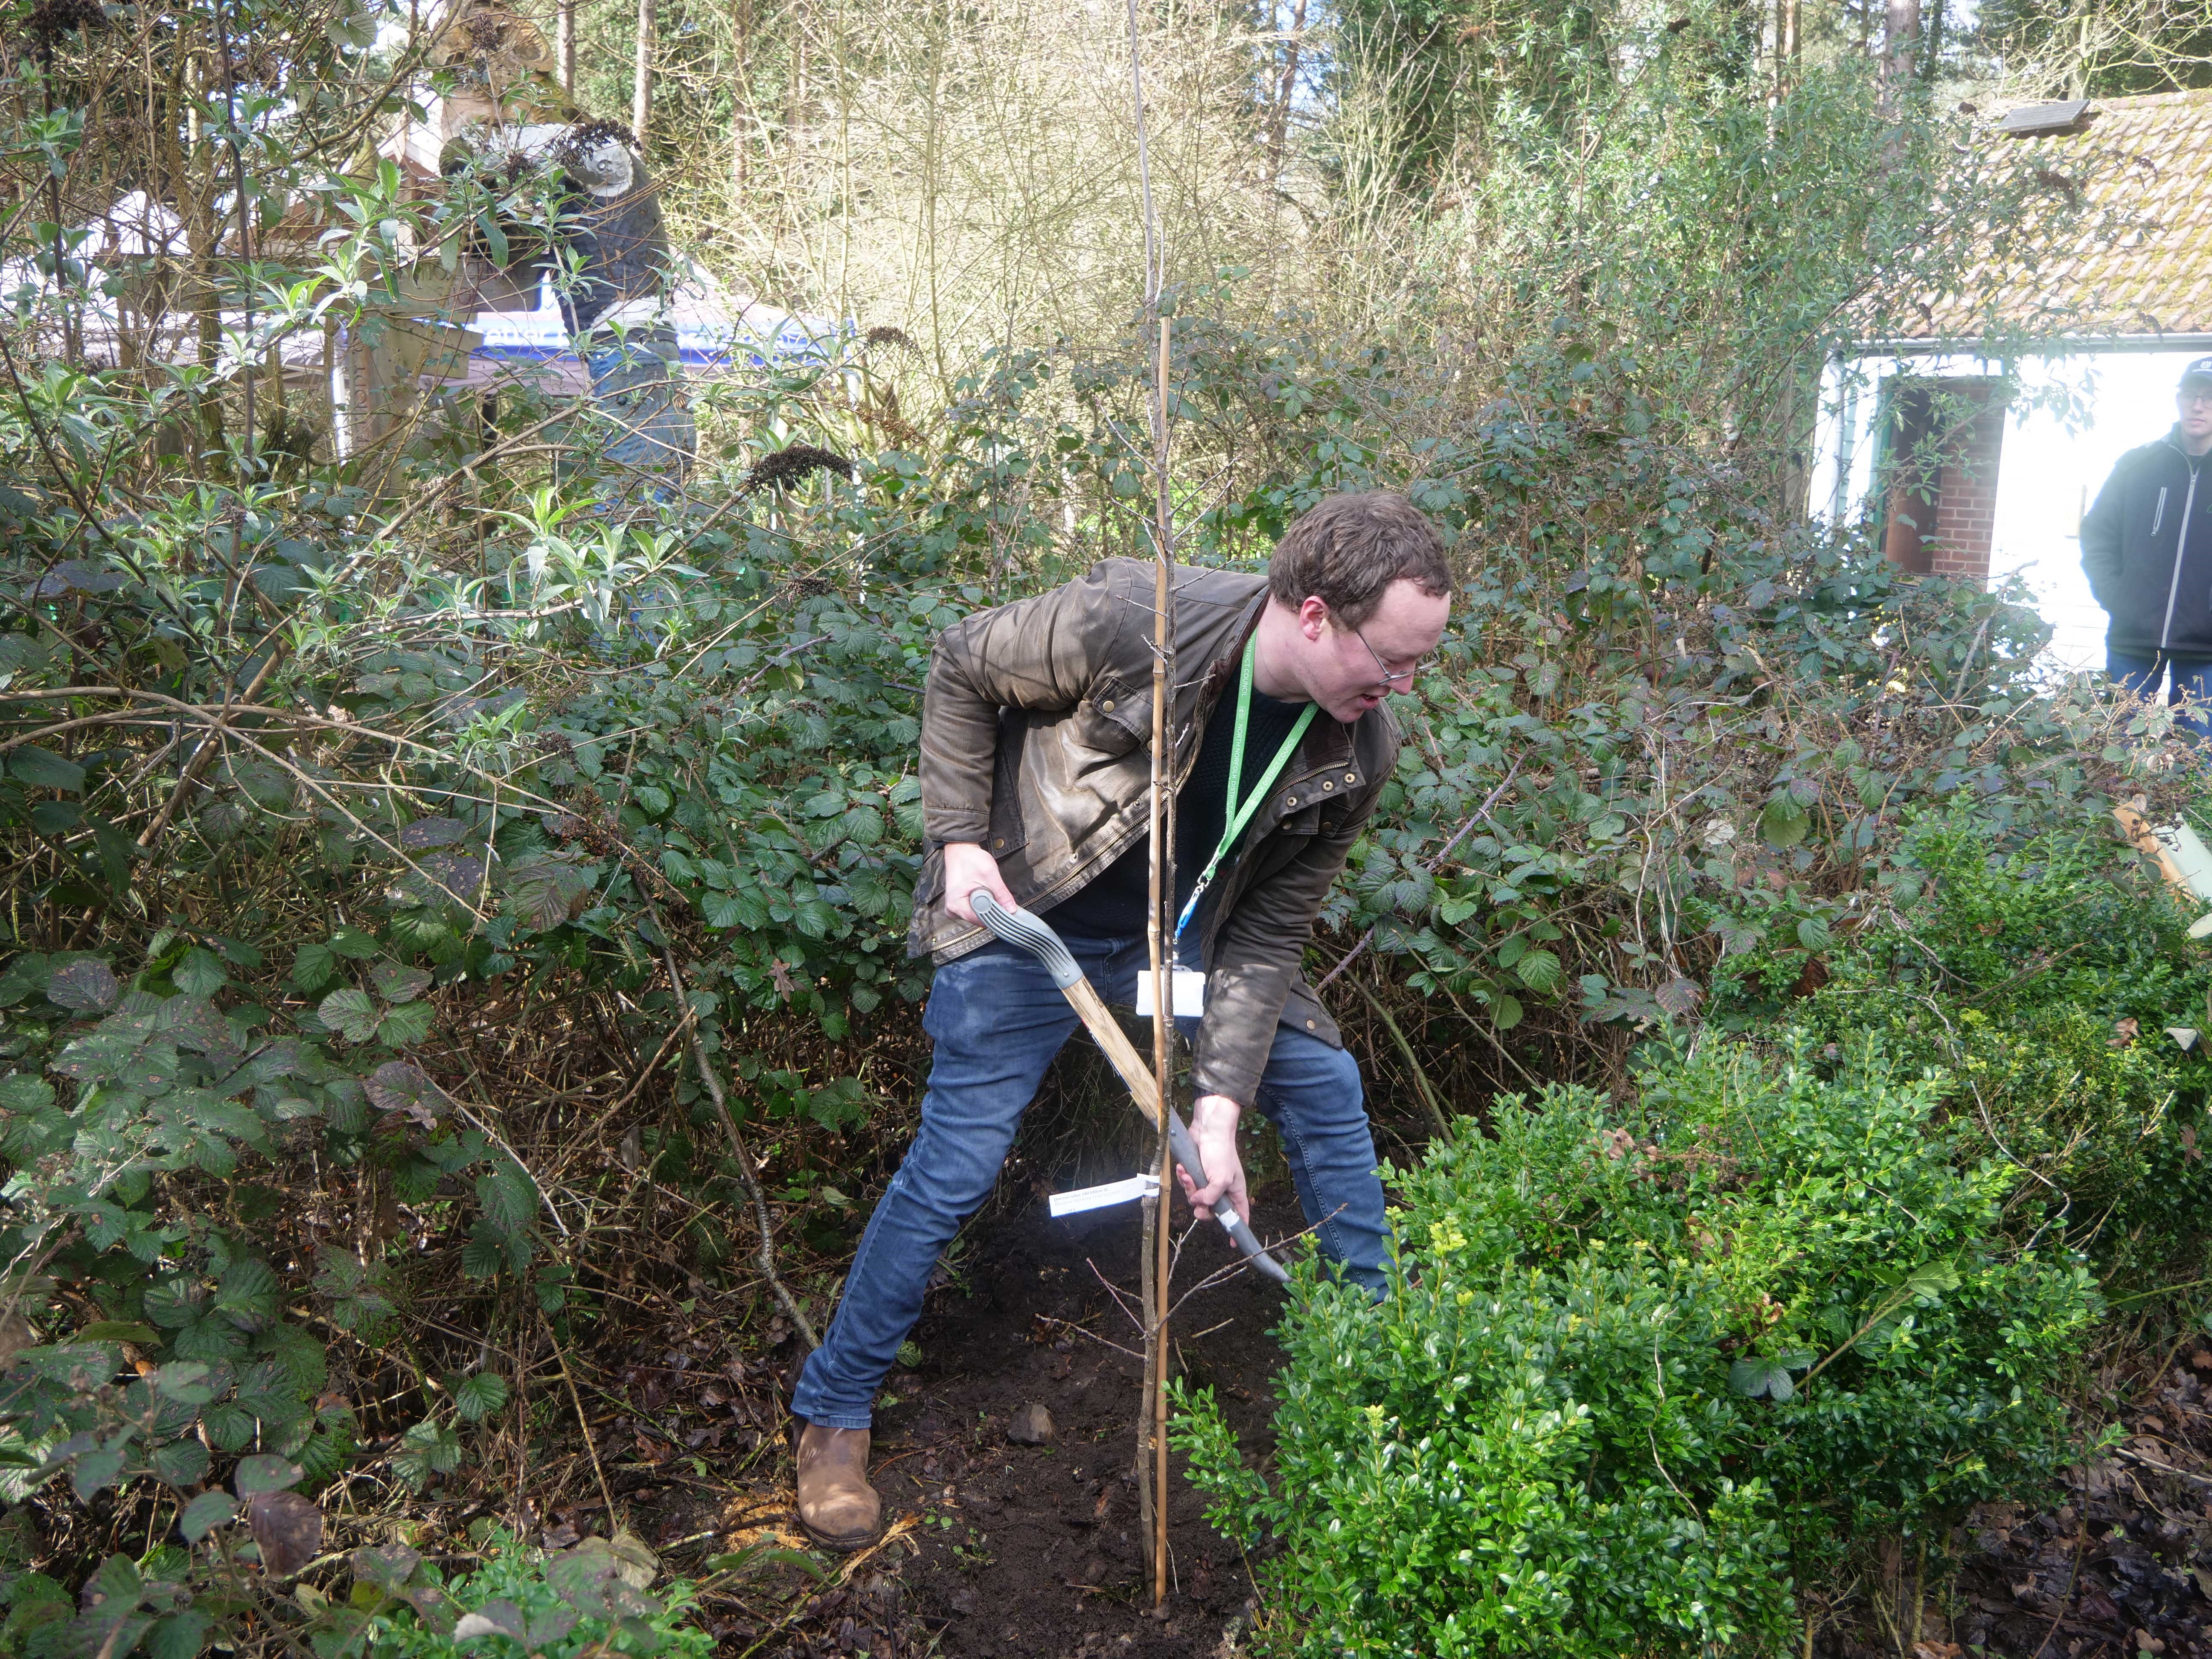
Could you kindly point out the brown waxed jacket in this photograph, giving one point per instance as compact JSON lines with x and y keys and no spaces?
{"x":1037,"y":727}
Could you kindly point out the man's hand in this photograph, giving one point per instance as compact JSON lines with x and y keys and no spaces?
{"x":1213,"y":1127}
{"x":968,"y":866}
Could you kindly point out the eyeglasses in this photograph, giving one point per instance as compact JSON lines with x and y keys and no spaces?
{"x":1389,"y":679}
{"x":2199,"y":393}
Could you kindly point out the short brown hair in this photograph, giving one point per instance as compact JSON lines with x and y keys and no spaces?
{"x":1347,"y":550}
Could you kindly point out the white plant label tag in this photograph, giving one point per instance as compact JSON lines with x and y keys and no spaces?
{"x":1098,"y":1198}
{"x":1186,"y":986}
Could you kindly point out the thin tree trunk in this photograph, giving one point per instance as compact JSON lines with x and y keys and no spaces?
{"x":640,"y":92}
{"x":1900,"y":54}
{"x":1933,"y":55}
{"x":741,"y":105}
{"x":1278,"y":130}
{"x":564,"y":46}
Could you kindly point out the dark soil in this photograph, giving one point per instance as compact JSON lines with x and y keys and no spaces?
{"x":994,"y":1547}
{"x":1037,"y":1549}
{"x":2122,"y":1563}
{"x":1000,"y":1548}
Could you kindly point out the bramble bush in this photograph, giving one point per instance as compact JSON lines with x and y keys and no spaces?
{"x":1637,"y":1366}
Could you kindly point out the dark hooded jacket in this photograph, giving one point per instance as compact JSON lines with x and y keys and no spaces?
{"x":2146,"y":548}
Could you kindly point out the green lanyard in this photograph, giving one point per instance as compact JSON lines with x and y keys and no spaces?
{"x":1237,"y":817}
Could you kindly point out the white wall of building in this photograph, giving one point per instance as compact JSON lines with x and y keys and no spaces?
{"x":2071,"y":420}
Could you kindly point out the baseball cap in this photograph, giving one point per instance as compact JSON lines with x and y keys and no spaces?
{"x":2199,"y":370}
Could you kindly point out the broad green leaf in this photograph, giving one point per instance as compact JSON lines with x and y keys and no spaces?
{"x":117,"y":1330}
{"x":350,"y":1013}
{"x":200,"y":974}
{"x":402,"y":1028}
{"x":1785,"y":821}
{"x":205,"y":1512}
{"x":396,"y":983}
{"x":1539,"y":970}
{"x":85,"y":986}
{"x":265,"y":1473}
{"x":179,"y":1636}
{"x":42,"y":768}
{"x":476,"y":1397}
{"x":313,"y":966}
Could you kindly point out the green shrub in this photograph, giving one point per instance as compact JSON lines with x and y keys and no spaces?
{"x":587,"y":1600}
{"x":2035,"y":976}
{"x":1635,"y":1368}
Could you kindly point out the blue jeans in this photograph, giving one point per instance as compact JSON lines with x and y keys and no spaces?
{"x":2141,"y":676}
{"x":997,"y":1021}
{"x":637,"y":385}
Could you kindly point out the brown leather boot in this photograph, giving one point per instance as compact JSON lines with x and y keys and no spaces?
{"x":836,"y":1505}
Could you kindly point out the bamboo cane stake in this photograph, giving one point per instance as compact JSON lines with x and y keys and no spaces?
{"x":1162,"y":951}
{"x":1152,"y":1418}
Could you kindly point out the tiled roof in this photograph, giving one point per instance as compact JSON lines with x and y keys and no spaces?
{"x":2136,"y":260}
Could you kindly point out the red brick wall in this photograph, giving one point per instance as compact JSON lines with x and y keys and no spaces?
{"x":1966,"y":504}
{"x":1950,"y":537}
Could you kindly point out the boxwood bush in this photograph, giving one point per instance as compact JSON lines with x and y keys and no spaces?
{"x":1639,"y":1365}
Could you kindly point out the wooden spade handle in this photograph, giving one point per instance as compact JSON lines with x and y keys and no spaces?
{"x":1091,"y":1008}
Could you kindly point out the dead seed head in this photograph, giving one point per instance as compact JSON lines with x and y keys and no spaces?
{"x":782,"y":467}
{"x":52,"y":19}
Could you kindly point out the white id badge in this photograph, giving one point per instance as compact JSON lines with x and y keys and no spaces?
{"x":1187,"y":986}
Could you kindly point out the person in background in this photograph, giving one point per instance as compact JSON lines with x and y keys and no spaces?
{"x":2146,"y":548}
{"x":1036,"y":774}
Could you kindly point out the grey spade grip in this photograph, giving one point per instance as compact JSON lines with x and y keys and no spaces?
{"x":1018,"y":929}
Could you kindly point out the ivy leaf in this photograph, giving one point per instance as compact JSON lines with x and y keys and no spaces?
{"x":350,"y":1013}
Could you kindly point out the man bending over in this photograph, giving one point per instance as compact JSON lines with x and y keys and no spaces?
{"x":1035,"y":771}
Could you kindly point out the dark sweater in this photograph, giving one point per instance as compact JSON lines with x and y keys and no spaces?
{"x":1111,"y":905}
